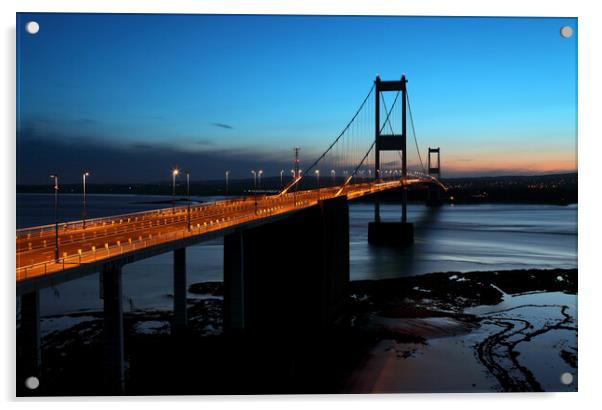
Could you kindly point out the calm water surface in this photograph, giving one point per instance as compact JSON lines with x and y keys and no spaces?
{"x":449,"y":238}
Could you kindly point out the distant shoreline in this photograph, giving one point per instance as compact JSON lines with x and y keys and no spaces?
{"x":553,"y":189}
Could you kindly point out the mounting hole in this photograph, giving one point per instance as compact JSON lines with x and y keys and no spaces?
{"x":566,"y":31}
{"x":566,"y":378}
{"x":32,"y":27}
{"x":32,"y":383}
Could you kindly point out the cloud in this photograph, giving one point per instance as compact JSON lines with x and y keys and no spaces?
{"x":203,"y":141}
{"x":222,"y":125}
{"x":141,"y":146}
{"x":113,"y":161}
{"x":64,"y":123}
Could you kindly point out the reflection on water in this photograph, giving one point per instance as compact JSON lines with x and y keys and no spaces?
{"x":449,"y":238}
{"x":468,"y":238}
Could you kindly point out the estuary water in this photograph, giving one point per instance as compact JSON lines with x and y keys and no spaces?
{"x":449,"y":238}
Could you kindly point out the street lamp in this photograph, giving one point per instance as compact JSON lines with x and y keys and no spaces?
{"x":56,"y":217}
{"x":227,"y":175}
{"x":281,"y":172}
{"x":259,"y":178}
{"x":85,"y":211}
{"x":334,"y":176}
{"x":317,"y":172}
{"x":174,"y":174}
{"x":254,"y":178}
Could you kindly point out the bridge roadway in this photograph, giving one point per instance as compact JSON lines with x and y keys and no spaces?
{"x":107,"y":238}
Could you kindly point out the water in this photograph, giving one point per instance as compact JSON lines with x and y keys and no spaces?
{"x":467,"y":238}
{"x":449,"y":238}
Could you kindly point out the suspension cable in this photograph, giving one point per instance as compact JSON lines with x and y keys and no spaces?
{"x":414,"y":131}
{"x":342,"y":132}
{"x":387,"y":111}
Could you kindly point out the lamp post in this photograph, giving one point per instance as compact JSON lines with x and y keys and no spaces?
{"x":227,"y":176}
{"x":281,"y":172}
{"x":188,"y":195}
{"x":174,"y":174}
{"x":317,"y":172}
{"x":333,"y":173}
{"x":254,"y":178}
{"x":85,"y":211}
{"x":259,"y":178}
{"x":56,"y":217}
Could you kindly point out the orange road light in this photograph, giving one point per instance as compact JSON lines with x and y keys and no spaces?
{"x":174,"y":174}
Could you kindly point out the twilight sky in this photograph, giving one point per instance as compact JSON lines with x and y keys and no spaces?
{"x":130,"y":96}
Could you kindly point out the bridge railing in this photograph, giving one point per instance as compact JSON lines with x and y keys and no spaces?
{"x":128,"y":217}
{"x":31,"y":232}
{"x":267,"y":205}
{"x":118,"y":248}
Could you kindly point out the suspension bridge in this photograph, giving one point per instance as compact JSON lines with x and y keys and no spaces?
{"x":369,"y":156}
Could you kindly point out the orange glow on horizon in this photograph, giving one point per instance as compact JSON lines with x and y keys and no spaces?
{"x":510,"y":163}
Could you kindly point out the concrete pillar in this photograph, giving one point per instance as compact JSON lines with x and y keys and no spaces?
{"x":30,"y":345}
{"x":113,"y":328}
{"x":180,"y":289}
{"x":404,"y":205}
{"x":433,"y":197}
{"x":335,"y":245}
{"x":234,"y":284}
{"x":377,"y":146}
{"x":288,"y":277}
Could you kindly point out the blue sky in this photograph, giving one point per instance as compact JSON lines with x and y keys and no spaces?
{"x":129,"y":96}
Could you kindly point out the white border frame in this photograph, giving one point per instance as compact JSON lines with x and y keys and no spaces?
{"x":590,"y":30}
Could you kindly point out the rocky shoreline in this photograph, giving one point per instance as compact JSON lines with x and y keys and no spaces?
{"x":384,"y":323}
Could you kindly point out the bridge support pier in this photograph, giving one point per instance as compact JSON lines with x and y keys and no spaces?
{"x":288,"y":278}
{"x":433,"y":196}
{"x":234,"y":283}
{"x":30,"y":342}
{"x":180,"y":290}
{"x":113,"y":328}
{"x":390,"y":233}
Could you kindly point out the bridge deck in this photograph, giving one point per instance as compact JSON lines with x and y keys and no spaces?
{"x":119,"y":237}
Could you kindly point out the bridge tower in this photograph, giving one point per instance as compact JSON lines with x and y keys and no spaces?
{"x":433,"y":197}
{"x":432,"y":169}
{"x":390,"y":233}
